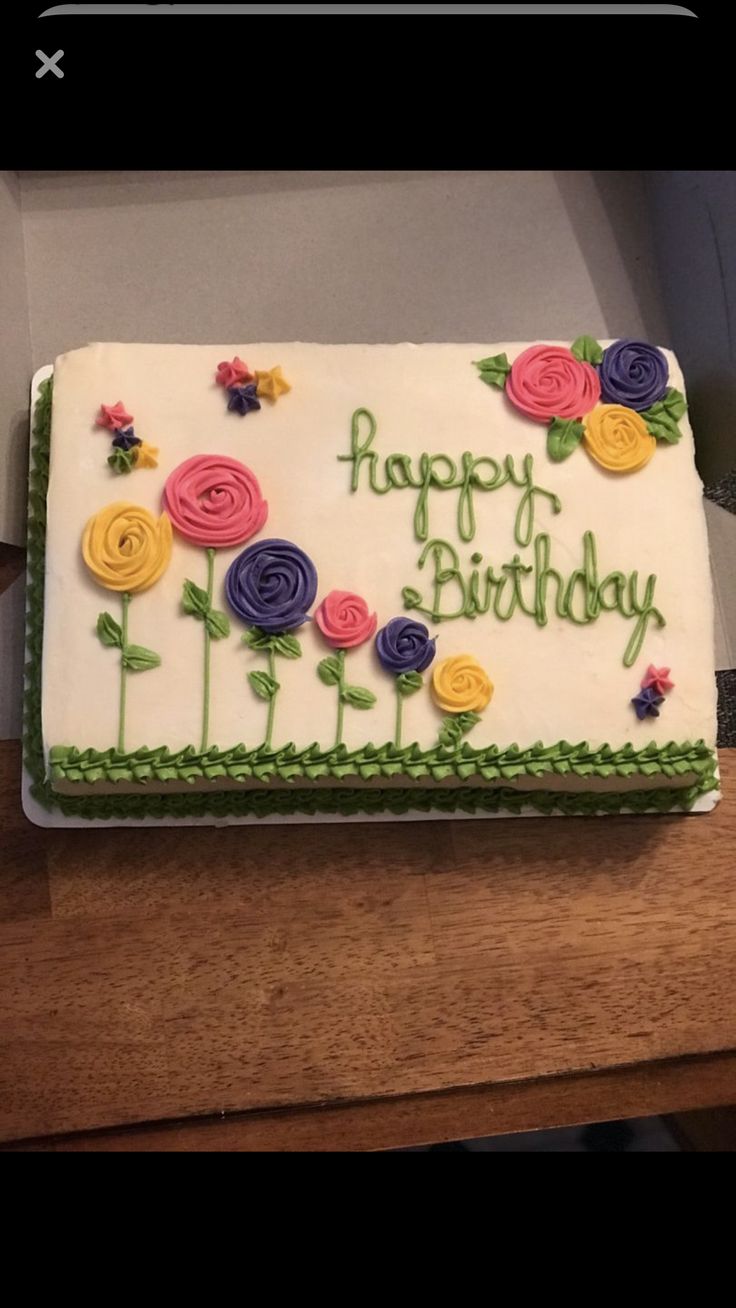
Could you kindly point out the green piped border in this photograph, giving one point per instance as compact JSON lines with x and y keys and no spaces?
{"x":38,"y":485}
{"x":312,"y":763}
{"x":264,"y":803}
{"x":68,"y":763}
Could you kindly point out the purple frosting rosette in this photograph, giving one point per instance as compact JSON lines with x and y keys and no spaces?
{"x":243,"y":399}
{"x":634,"y":374}
{"x":125,"y":440}
{"x":405,"y":646}
{"x":272,"y":585}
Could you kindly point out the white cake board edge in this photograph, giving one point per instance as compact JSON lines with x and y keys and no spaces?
{"x":42,"y":817}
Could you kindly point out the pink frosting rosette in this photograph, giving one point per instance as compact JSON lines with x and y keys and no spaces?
{"x":233,"y":372}
{"x":214,"y":501}
{"x":547,"y":381}
{"x":114,"y":416}
{"x":344,"y":620}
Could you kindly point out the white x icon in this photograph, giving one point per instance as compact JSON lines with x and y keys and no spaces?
{"x":49,"y":64}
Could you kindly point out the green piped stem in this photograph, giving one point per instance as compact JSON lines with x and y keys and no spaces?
{"x":399,"y":713}
{"x":340,"y":701}
{"x":123,"y":673}
{"x":207,"y":647}
{"x":272,"y":701}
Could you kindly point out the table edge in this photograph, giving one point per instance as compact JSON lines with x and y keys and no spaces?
{"x":402,"y":1121}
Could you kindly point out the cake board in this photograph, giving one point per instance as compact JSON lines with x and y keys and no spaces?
{"x":41,"y":816}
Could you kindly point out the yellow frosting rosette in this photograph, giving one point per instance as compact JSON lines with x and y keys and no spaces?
{"x":460,"y":685}
{"x":617,"y":438}
{"x":126,"y":548}
{"x":146,"y":456}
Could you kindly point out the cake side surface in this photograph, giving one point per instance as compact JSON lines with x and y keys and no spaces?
{"x":402,"y":480}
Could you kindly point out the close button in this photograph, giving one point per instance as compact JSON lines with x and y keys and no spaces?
{"x":49,"y":64}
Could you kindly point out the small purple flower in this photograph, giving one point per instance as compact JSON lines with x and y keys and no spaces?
{"x":646,"y":703}
{"x":243,"y":399}
{"x":125,"y":440}
{"x":405,"y":646}
{"x":634,"y":374}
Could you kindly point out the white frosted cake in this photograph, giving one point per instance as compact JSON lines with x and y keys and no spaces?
{"x":294,"y":577}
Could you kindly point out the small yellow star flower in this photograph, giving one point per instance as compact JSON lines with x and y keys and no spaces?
{"x":271,"y":384}
{"x":146,"y":456}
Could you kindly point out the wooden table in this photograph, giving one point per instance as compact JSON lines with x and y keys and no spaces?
{"x":357,"y":986}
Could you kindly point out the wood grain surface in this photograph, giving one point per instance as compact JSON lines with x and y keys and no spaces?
{"x":421,"y":1119}
{"x":169,"y":974}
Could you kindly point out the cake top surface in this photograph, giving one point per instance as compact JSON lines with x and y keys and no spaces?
{"x":537,"y":516}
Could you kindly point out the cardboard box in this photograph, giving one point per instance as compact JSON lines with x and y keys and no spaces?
{"x":323,"y":256}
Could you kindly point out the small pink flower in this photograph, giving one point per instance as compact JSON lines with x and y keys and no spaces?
{"x":658,"y":679}
{"x":114,"y":416}
{"x":344,"y":620}
{"x":234,"y":373}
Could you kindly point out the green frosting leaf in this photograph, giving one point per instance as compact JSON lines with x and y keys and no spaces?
{"x":358,"y":697}
{"x":564,"y":436}
{"x":194,"y":600}
{"x":263,"y":684}
{"x":217,"y":624}
{"x":467,"y":720}
{"x":408,"y":683}
{"x":662,"y":418}
{"x":675,"y":403}
{"x":122,"y":460}
{"x":412,"y":599}
{"x":587,"y":349}
{"x":282,"y":643}
{"x":109,"y":631}
{"x":494,"y":370}
{"x":454,"y":727}
{"x":140,"y":659}
{"x":660,"y":424}
{"x":255,"y":638}
{"x":329,"y":670}
{"x":287,"y":646}
{"x":450,"y":732}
